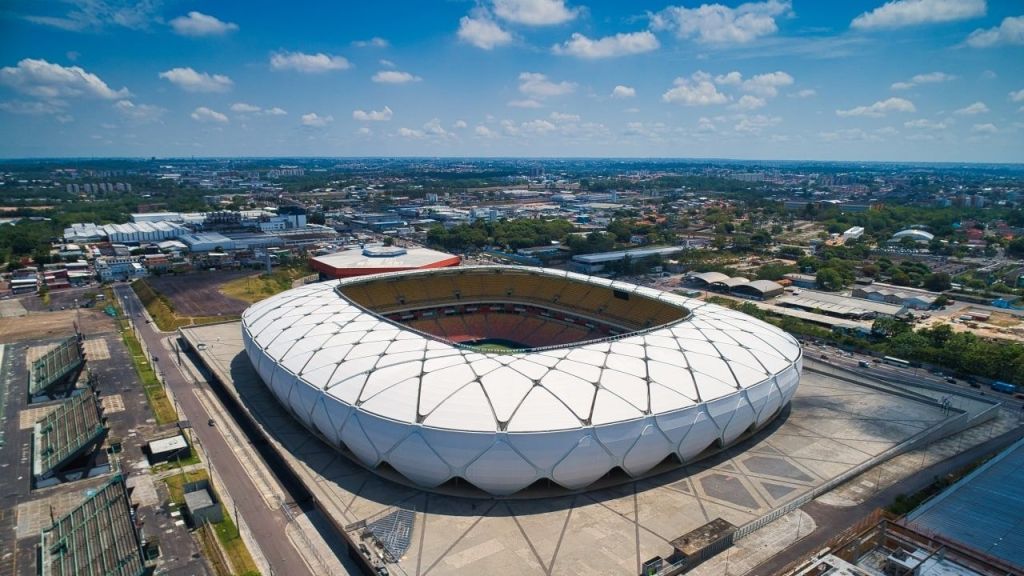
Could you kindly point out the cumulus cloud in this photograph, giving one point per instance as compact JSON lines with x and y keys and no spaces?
{"x":534,"y":12}
{"x":481,"y":31}
{"x":698,"y":90}
{"x":484,"y":132}
{"x":925,"y":124}
{"x":973,"y":109}
{"x":1009,"y":32}
{"x":987,"y":128}
{"x":755,"y":124}
{"x":621,"y":92}
{"x":204,"y":114}
{"x":720,"y":24}
{"x":46,"y":80}
{"x":142,"y":113}
{"x":1017,"y":96}
{"x":903,"y":13}
{"x":33,"y":108}
{"x":930,"y":78}
{"x":536,"y":85}
{"x":98,"y":14}
{"x":308,"y":63}
{"x":767,"y":84}
{"x":191,"y":81}
{"x":243,"y":108}
{"x":394,"y":77}
{"x":525,"y":103}
{"x":880,"y":108}
{"x":410,"y":133}
{"x":199,"y":24}
{"x":609,"y":46}
{"x":315,"y":120}
{"x":805,"y":93}
{"x":372,"y":115}
{"x":460,"y":125}
{"x":275,"y":111}
{"x":748,"y":102}
{"x":375,"y":42}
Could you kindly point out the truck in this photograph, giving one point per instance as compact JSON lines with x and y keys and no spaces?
{"x":1000,"y":386}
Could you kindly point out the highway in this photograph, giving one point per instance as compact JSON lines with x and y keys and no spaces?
{"x":267,"y":526}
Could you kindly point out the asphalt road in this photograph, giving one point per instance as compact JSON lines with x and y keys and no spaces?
{"x":266,"y":526}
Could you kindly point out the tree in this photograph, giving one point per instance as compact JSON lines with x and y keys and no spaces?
{"x":830,"y":279}
{"x":938,"y":282}
{"x":1016,"y":248}
{"x":889,"y":327}
{"x":941,"y":301}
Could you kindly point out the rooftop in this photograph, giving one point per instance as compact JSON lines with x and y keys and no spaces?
{"x":356,"y":258}
{"x":65,"y":432}
{"x":55,"y":365}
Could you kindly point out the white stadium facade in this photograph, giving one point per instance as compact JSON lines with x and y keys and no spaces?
{"x":504,"y":376}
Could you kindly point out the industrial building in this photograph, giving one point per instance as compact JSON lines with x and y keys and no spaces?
{"x":594,"y":263}
{"x":838,"y":305}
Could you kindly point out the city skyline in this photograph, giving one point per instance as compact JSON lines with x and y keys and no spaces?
{"x":907,"y":80}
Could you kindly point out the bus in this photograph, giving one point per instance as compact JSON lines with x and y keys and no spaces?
{"x":999,"y":386}
{"x":896,"y":362}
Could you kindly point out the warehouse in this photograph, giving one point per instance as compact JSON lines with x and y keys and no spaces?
{"x":379,"y":259}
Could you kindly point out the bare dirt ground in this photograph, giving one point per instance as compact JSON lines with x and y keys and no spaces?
{"x":197,"y":294}
{"x":42,"y":325}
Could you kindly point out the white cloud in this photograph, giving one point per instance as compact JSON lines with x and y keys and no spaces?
{"x":902,"y":13}
{"x":410,"y":133}
{"x":243,"y":108}
{"x":805,"y":93}
{"x":308,"y":63}
{"x":460,"y":125}
{"x":33,"y":108}
{"x":199,"y":24}
{"x":45,"y":80}
{"x":275,"y":111}
{"x":375,"y":42}
{"x":394,"y":77}
{"x":930,"y":78}
{"x":534,"y":12}
{"x":484,"y":132}
{"x":609,"y":46}
{"x":925,"y":124}
{"x":620,"y":92}
{"x":767,"y":84}
{"x":1017,"y":96}
{"x":204,"y":114}
{"x":139,"y":112}
{"x":526,"y":103}
{"x":481,"y":31}
{"x":987,"y":128}
{"x":563,"y":117}
{"x":748,"y":102}
{"x":433,"y":128}
{"x":97,"y":14}
{"x":880,"y":108}
{"x":537,"y":85}
{"x":733,"y":78}
{"x":695,"y":91}
{"x":755,"y":124}
{"x":973,"y":109}
{"x":1009,"y":32}
{"x":720,"y":24}
{"x":191,"y":81}
{"x":373,"y":115}
{"x":386,"y":63}
{"x":315,"y":120}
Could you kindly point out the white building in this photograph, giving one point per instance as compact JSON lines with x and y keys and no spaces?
{"x":853,"y":233}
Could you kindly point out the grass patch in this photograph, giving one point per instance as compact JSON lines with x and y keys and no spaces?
{"x":162,"y":312}
{"x":159,"y":403}
{"x":176,"y":484}
{"x":257,"y":287}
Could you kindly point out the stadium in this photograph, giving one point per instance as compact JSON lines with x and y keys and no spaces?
{"x":509,"y":377}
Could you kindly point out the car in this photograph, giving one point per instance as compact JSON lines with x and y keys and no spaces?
{"x":364,"y":550}
{"x":863,"y":364}
{"x":210,"y":422}
{"x":382,"y":571}
{"x":824,"y":356}
{"x":951,"y":380}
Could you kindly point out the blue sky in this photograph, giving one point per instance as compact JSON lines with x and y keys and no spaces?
{"x":908,"y":80}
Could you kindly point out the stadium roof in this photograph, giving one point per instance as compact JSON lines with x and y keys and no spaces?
{"x":98,"y":537}
{"x":55,"y":366}
{"x":374,"y":259}
{"x":984,"y":509}
{"x":388,"y":370}
{"x":637,"y":253}
{"x":65,"y":432}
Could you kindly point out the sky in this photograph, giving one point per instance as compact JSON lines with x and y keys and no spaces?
{"x":904,"y":80}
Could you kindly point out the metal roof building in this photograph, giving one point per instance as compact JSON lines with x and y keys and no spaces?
{"x":984,"y":510}
{"x":435,"y":410}
{"x":380,"y":259}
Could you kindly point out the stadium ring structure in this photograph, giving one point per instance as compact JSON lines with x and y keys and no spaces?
{"x":576,"y":376}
